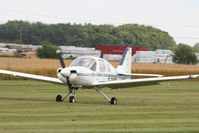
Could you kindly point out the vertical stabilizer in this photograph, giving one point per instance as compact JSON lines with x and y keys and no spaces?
{"x":125,"y":62}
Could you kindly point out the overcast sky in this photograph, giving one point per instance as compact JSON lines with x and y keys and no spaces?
{"x":180,"y":18}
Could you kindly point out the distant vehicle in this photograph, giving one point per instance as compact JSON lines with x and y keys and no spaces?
{"x":96,"y":73}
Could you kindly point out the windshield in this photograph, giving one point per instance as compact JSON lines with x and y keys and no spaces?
{"x":84,"y":62}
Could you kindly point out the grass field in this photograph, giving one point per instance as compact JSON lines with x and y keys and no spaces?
{"x":28,"y":106}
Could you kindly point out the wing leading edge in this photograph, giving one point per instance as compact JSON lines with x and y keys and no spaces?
{"x":32,"y":76}
{"x":140,"y":82}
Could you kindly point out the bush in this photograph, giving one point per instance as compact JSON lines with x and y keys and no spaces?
{"x":184,"y":54}
{"x":48,"y":50}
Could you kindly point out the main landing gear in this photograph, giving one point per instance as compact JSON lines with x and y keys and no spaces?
{"x":71,"y":92}
{"x":113,"y":100}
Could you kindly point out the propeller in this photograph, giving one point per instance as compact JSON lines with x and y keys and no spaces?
{"x":64,"y":72}
{"x":60,"y":58}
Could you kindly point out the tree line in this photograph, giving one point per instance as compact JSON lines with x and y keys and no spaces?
{"x":85,"y":35}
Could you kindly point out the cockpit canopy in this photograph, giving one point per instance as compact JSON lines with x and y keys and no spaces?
{"x":94,"y":64}
{"x":85,"y":62}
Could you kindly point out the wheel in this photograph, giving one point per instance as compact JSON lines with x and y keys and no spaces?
{"x":59,"y":98}
{"x":113,"y":100}
{"x":72,"y":99}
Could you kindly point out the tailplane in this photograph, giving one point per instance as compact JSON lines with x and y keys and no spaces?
{"x":125,"y":62}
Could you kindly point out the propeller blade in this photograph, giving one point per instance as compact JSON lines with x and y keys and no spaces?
{"x":60,"y":59}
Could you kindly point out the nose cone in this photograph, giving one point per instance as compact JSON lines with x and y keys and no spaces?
{"x":65,"y":72}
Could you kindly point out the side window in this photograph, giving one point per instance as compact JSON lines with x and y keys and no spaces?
{"x":108,"y":68}
{"x":102,"y":66}
{"x":93,"y":67}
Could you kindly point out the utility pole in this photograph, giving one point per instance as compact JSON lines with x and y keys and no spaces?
{"x":20,"y":35}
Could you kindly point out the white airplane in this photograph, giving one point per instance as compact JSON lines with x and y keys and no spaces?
{"x":89,"y":72}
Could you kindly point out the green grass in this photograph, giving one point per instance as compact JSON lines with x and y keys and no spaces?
{"x":28,"y":106}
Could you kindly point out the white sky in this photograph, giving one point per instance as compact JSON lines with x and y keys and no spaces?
{"x":178,"y":17}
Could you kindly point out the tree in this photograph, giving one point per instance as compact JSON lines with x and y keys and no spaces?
{"x":196,"y":47}
{"x":48,"y":50}
{"x":184,"y":54}
{"x":86,"y":35}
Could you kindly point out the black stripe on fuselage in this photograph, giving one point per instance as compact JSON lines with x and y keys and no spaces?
{"x":101,"y":75}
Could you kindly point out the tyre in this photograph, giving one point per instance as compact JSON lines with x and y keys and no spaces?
{"x":59,"y":98}
{"x":113,"y":100}
{"x":72,"y":99}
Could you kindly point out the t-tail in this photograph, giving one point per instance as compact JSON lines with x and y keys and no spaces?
{"x":125,"y":63}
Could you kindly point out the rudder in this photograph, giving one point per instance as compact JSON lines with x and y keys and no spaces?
{"x":125,"y":62}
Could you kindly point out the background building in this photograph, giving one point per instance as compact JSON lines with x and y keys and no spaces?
{"x":139,"y":54}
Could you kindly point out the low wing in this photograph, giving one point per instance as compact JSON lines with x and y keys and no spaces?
{"x":32,"y":76}
{"x":140,"y":82}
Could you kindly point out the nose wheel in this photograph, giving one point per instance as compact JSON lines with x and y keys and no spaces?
{"x":72,"y":99}
{"x":60,"y":99}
